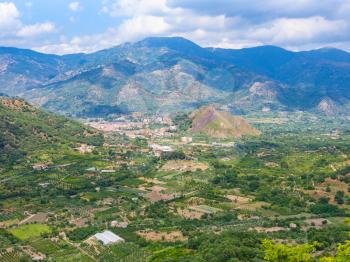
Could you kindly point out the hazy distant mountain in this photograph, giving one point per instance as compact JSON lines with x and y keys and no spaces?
{"x":172,"y":74}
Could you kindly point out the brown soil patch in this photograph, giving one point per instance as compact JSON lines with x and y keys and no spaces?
{"x":268,"y":229}
{"x":152,"y":180}
{"x":190,"y":214}
{"x":253,"y":206}
{"x":184,"y":166}
{"x":162,"y":236}
{"x":317,"y":222}
{"x":37,"y":218}
{"x":239,"y":199}
{"x":156,"y":196}
{"x":334,"y":185}
{"x":195,"y":201}
{"x":271,"y":164}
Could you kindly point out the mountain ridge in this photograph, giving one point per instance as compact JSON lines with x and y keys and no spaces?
{"x":168,"y":74}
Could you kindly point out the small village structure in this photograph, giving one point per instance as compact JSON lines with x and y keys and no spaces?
{"x":159,"y":149}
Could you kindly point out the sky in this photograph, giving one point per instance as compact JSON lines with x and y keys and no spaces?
{"x":69,"y":26}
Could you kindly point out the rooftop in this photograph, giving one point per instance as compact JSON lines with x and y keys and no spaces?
{"x":107,"y":237}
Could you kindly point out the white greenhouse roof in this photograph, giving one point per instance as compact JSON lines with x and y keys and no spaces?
{"x":107,"y":237}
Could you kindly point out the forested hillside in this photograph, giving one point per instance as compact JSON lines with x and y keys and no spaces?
{"x":24,"y":128}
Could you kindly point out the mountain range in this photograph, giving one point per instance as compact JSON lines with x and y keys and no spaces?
{"x":164,"y":74}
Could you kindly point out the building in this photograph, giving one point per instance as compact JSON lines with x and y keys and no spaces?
{"x":158,"y":149}
{"x":119,"y":224}
{"x":39,"y":167}
{"x":108,"y":238}
{"x":186,"y":140}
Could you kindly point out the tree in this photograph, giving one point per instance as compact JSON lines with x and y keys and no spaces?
{"x":343,"y":254}
{"x":339,"y":197}
{"x":285,"y":253}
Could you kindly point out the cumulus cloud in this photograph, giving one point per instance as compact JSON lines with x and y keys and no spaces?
{"x":11,"y":26}
{"x":298,"y":30}
{"x":295,"y":24}
{"x":134,"y":7}
{"x":9,"y":18}
{"x":36,"y":29}
{"x":74,"y":6}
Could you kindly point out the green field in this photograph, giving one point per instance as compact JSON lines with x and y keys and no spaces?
{"x":25,"y":232}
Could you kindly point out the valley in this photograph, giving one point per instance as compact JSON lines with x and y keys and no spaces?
{"x":170,"y":191}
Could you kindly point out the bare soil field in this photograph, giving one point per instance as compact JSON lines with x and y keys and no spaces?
{"x":253,"y":206}
{"x":334,"y":185}
{"x":268,"y":229}
{"x":184,"y":166}
{"x":38,"y":218}
{"x":190,"y":214}
{"x":155,"y":195}
{"x":162,"y":236}
{"x":152,"y":180}
{"x":317,"y":222}
{"x":239,"y":199}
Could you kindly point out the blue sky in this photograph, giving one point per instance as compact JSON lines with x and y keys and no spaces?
{"x":69,"y":26}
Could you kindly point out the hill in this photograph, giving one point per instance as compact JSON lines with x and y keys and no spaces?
{"x":220,"y":124}
{"x":171,"y":74}
{"x":24,"y":129}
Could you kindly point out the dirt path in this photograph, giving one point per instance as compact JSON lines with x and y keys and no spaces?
{"x":26,"y":219}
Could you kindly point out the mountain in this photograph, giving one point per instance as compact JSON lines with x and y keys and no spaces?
{"x":220,"y":124}
{"x":24,"y":128}
{"x":162,"y":74}
{"x":311,"y":77}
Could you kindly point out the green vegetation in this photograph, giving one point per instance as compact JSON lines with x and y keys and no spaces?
{"x":276,"y":197}
{"x":25,"y":232}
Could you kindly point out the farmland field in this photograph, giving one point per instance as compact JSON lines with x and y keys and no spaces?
{"x":25,"y":232}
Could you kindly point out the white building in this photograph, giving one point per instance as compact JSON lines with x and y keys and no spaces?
{"x":107,"y":238}
{"x":186,"y":140}
{"x":158,"y":149}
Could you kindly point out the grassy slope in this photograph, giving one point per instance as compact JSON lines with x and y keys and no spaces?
{"x":24,"y":128}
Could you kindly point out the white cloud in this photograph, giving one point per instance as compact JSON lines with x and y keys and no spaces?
{"x":12,"y":29}
{"x":74,"y":6}
{"x":142,"y":26}
{"x":9,"y":18}
{"x":134,"y":7}
{"x":298,"y":30}
{"x":36,"y":29}
{"x":220,"y":23}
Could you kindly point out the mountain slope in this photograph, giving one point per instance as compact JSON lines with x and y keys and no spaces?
{"x":220,"y":124}
{"x":24,"y":128}
{"x":171,"y":74}
{"x":311,"y":76}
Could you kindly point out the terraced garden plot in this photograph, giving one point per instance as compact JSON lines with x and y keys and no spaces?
{"x":253,"y":206}
{"x":205,"y":209}
{"x":45,"y":246}
{"x":184,"y":165}
{"x":12,"y":256}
